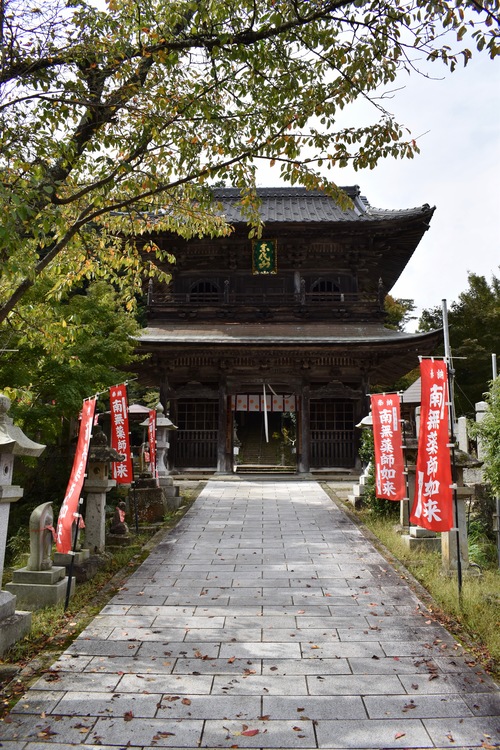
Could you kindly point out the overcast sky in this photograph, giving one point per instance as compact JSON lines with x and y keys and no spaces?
{"x":458,"y":171}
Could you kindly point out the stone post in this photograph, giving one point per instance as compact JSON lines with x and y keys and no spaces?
{"x":97,"y":484}
{"x":481,"y":409}
{"x":449,"y":539}
{"x":13,"y":442}
{"x":462,"y":437}
{"x":449,"y":551}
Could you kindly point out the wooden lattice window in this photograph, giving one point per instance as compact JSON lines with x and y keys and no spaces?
{"x":204,"y":291}
{"x":324,"y":290}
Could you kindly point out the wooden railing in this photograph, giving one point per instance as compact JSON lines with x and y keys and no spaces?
{"x":195,"y":448}
{"x":176,"y":300}
{"x":331,"y":448}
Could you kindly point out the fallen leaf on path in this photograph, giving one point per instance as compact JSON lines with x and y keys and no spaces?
{"x":250,"y":732}
{"x":47,"y":732}
{"x":398,"y":735}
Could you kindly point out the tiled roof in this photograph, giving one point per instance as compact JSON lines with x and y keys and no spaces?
{"x":296,"y":204}
{"x":413,"y":393}
{"x":194,"y":333}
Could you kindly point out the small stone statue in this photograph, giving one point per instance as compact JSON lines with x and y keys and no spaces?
{"x":41,"y":530}
{"x":118,"y":525}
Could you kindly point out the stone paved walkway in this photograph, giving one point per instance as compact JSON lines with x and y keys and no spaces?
{"x":264,"y":620}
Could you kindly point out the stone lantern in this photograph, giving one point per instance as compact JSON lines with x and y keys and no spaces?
{"x":164,"y":426}
{"x":97,"y":484}
{"x":158,"y":495}
{"x":13,"y":442}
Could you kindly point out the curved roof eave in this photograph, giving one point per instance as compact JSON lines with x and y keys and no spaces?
{"x":313,"y":334}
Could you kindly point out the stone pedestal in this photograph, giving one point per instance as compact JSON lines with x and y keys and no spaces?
{"x":419,"y":538}
{"x":358,"y":490}
{"x":14,"y":625}
{"x":64,"y":559}
{"x":36,"y":589}
{"x":416,"y":536}
{"x":171,"y":496}
{"x":151,"y":503}
{"x":84,"y":566}
{"x":40,"y":584}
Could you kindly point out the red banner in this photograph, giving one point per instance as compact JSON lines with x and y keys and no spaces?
{"x":390,"y":481}
{"x":432,"y":507}
{"x":152,"y":440}
{"x":122,"y":471}
{"x":69,"y":508}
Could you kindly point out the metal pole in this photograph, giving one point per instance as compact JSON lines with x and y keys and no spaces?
{"x":451,"y":373}
{"x":73,"y":553}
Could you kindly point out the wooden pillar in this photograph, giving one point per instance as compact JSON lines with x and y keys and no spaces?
{"x":165,"y":402}
{"x":164,"y":390}
{"x":222,"y":437}
{"x":304,"y":465}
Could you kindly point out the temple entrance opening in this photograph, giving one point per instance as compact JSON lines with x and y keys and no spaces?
{"x":253,"y":449}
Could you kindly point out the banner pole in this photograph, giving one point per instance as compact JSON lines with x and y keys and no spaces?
{"x":73,"y":553}
{"x":134,"y":494}
{"x":451,"y":372}
{"x":266,"y":424}
{"x":405,"y":449}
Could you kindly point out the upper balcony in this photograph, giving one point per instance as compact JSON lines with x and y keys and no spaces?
{"x":210,"y":302}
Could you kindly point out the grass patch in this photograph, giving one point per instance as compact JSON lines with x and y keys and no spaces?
{"x":474,"y":618}
{"x":53,"y":629}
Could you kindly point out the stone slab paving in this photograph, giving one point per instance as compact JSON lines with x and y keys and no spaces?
{"x":264,"y":620}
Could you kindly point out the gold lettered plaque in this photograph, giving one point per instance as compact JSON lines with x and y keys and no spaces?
{"x":264,"y":257}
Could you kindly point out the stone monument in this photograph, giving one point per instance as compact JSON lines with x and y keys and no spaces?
{"x":156,"y":496}
{"x":40,"y":584}
{"x":457,"y":537}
